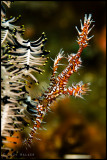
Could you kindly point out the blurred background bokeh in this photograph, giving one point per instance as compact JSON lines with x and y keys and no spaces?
{"x":75,"y":126}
